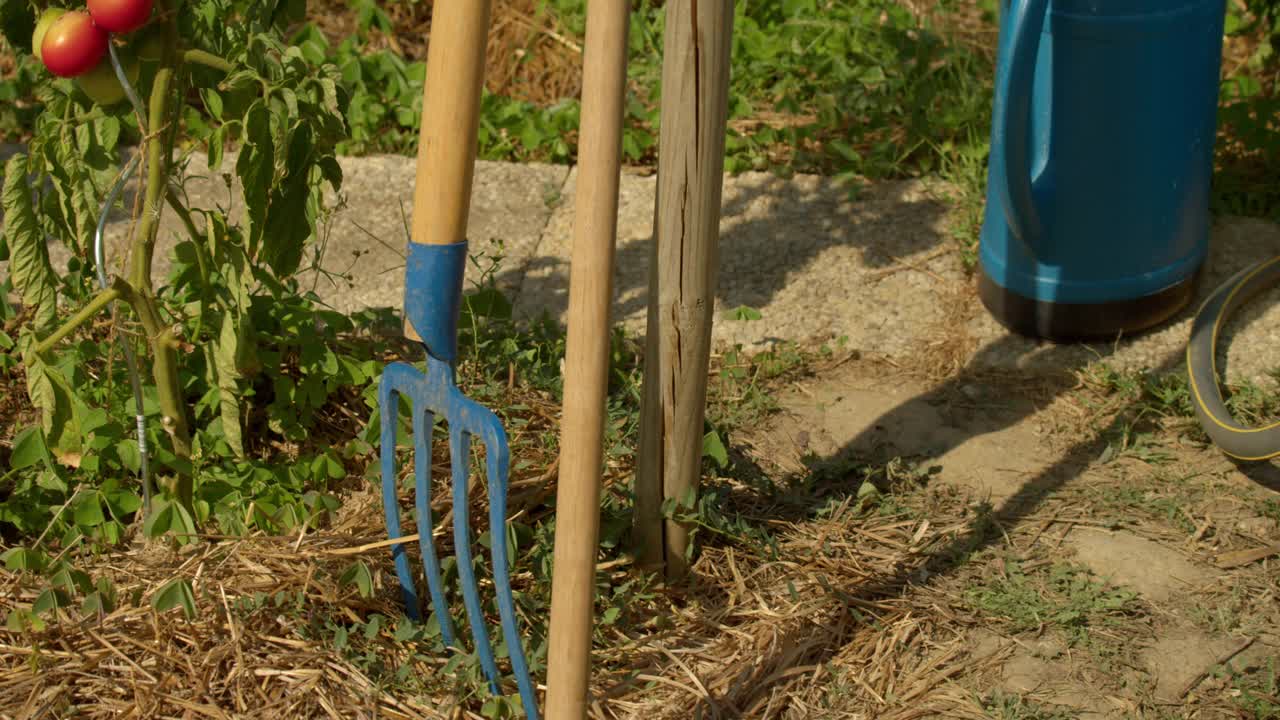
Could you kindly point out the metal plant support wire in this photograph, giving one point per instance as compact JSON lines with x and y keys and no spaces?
{"x":99,"y":256}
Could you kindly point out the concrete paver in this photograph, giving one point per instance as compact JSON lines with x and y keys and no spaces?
{"x":818,"y":263}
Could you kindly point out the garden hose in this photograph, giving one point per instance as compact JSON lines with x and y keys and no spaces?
{"x":99,"y":256}
{"x":1236,"y":440}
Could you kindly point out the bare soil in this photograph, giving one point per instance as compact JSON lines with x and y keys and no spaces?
{"x":1158,"y":522}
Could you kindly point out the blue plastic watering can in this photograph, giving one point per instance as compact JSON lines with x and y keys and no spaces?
{"x":1097,"y":215}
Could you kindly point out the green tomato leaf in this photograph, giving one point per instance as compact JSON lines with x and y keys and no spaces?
{"x":225,"y":352}
{"x":50,"y":391}
{"x":217,"y":143}
{"x":287,"y":223}
{"x":29,"y":265}
{"x":212,"y":102}
{"x":256,"y":169}
{"x":108,"y":129}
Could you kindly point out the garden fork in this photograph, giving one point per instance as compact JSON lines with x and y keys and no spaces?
{"x":433,"y":293}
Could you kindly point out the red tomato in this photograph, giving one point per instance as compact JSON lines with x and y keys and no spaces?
{"x":73,"y":45}
{"x":120,"y":16}
{"x":47,"y":19}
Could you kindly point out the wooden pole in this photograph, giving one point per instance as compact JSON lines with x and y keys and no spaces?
{"x":450,"y":124}
{"x":586,"y":376}
{"x":695,"y":101}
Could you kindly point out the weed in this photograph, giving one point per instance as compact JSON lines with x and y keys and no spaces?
{"x":1065,"y":597}
{"x":739,"y":394}
{"x":1271,"y":509}
{"x":963,"y":167}
{"x":1255,"y":694}
{"x":1166,"y":501}
{"x":999,"y":705}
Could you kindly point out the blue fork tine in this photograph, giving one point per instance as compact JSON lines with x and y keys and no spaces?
{"x":432,"y":299}
{"x":475,"y":420}
{"x":398,"y":379}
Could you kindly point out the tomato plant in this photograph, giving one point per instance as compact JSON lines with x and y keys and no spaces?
{"x":73,"y":45}
{"x":210,"y":75}
{"x":120,"y":16}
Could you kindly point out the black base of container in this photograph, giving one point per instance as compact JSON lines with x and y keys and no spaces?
{"x":1075,"y":322}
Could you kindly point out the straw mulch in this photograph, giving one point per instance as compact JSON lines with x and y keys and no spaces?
{"x":228,"y":661}
{"x":840,"y":623}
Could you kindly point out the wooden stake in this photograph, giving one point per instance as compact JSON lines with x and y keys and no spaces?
{"x":450,"y":124}
{"x":586,"y":375}
{"x":695,"y":101}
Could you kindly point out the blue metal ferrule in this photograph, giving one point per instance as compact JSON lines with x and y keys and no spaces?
{"x":433,"y":295}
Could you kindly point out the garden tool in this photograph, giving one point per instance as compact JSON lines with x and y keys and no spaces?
{"x":586,"y":376}
{"x":433,"y":294}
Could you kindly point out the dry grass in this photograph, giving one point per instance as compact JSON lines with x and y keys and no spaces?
{"x":836,"y":626}
{"x":947,"y":348}
{"x":226,"y":662}
{"x":751,"y":636}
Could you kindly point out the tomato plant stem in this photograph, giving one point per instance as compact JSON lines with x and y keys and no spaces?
{"x":93,"y":307}
{"x":164,"y":345}
{"x":200,"y":57}
{"x":157,"y":170}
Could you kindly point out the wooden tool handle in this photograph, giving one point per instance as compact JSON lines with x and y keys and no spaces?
{"x":587,"y":359}
{"x":450,"y":120}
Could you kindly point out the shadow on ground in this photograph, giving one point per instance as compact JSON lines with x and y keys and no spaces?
{"x":807,"y":246}
{"x":824,"y":484}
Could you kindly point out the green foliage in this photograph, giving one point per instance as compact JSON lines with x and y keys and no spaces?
{"x":742,"y":313}
{"x":861,"y":87}
{"x":1065,"y":597}
{"x":60,"y":583}
{"x":999,"y":705}
{"x":17,"y":22}
{"x":358,"y":575}
{"x":264,"y":362}
{"x":29,"y":266}
{"x":1257,"y":694}
{"x":176,"y":593}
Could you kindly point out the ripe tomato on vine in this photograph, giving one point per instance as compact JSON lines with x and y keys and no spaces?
{"x":73,"y":45}
{"x":120,"y":16}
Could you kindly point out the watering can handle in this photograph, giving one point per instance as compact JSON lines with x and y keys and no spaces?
{"x":1013,"y":120}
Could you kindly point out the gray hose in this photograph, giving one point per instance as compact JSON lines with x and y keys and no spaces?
{"x":99,"y":256}
{"x":1239,"y":441}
